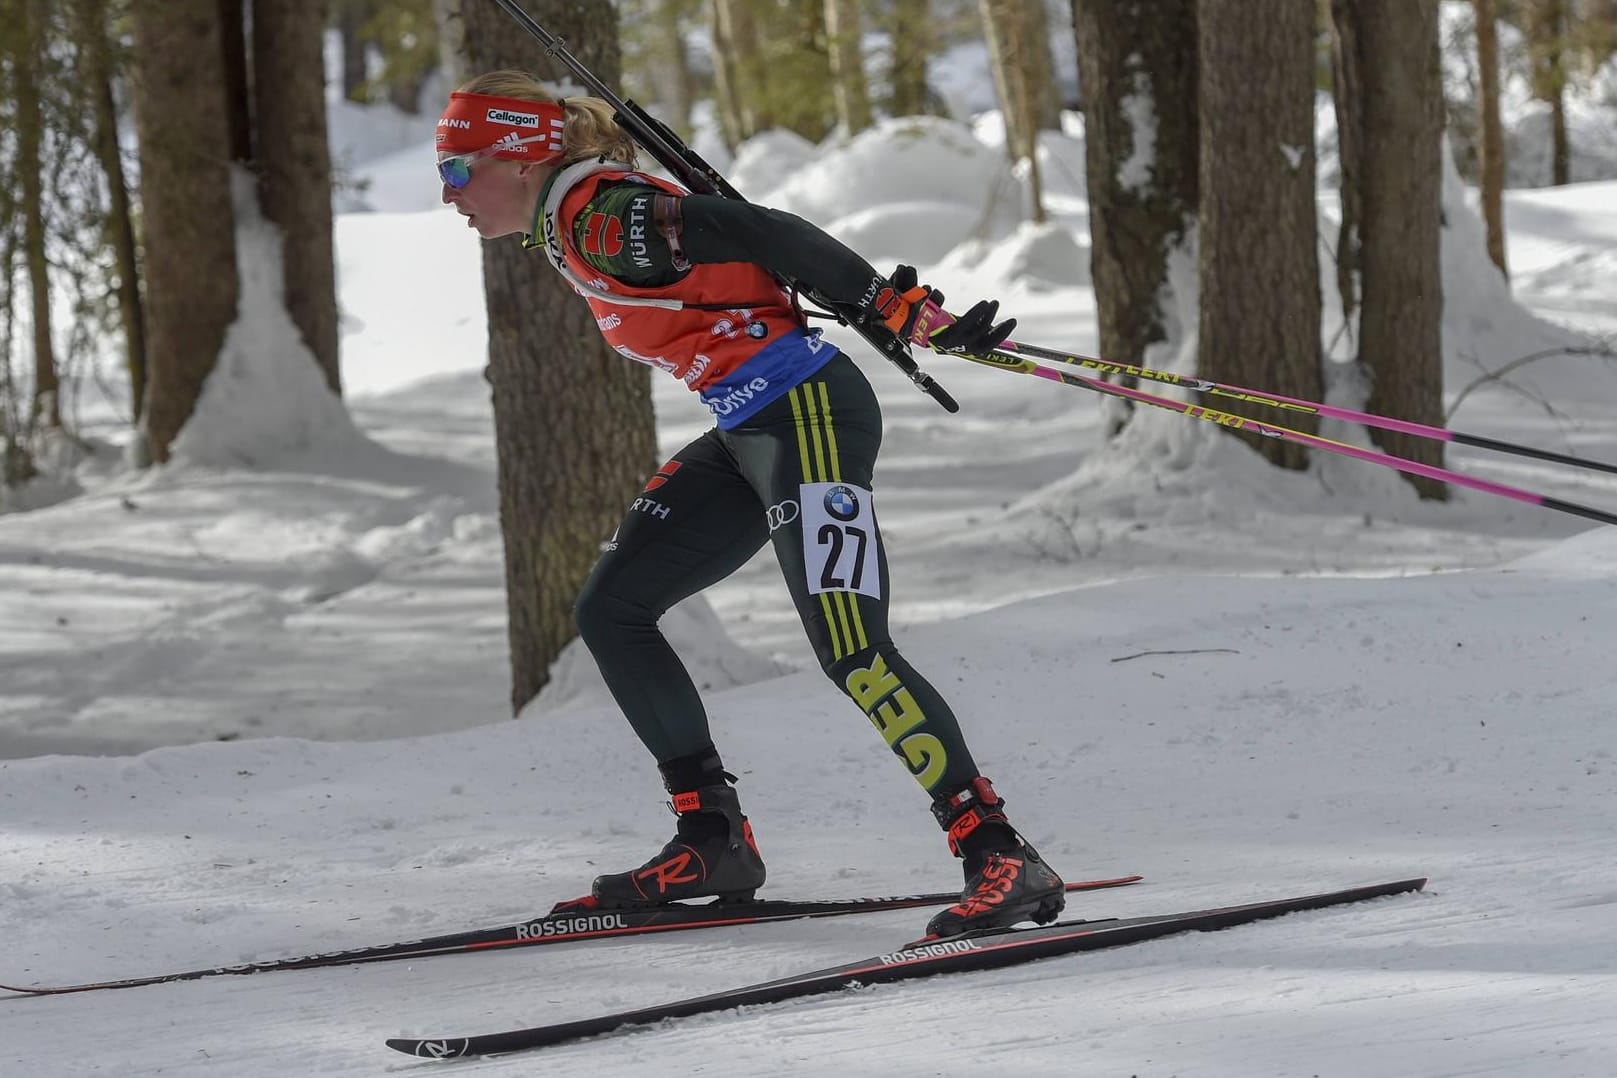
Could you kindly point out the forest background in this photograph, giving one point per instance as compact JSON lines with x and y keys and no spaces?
{"x":134,"y":129}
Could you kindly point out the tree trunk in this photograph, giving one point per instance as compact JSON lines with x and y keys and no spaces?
{"x":1030,"y":98}
{"x":1547,"y":44}
{"x":669,"y":66}
{"x":1560,"y":141}
{"x":1493,"y":133}
{"x":727,"y":91}
{"x":1260,"y":305}
{"x":1036,"y":63}
{"x":1347,"y":78}
{"x":189,"y":226}
{"x":739,"y":70}
{"x":404,"y":91}
{"x":798,"y":64}
{"x":294,"y":167}
{"x":120,"y":228}
{"x":237,"y":82}
{"x":351,"y":18}
{"x":845,"y":37}
{"x":573,"y":419}
{"x":1138,"y":82}
{"x":1018,"y":37}
{"x":911,"y":34}
{"x":451,"y":40}
{"x":16,"y":464}
{"x":771,"y":67}
{"x":47,"y":407}
{"x":1019,"y":57}
{"x":1600,"y":22}
{"x":1401,"y":113}
{"x":997,"y":16}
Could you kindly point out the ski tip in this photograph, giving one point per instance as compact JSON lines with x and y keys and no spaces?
{"x":1096,"y":885}
{"x":50,"y":990}
{"x":442,"y":1048}
{"x":574,"y":905}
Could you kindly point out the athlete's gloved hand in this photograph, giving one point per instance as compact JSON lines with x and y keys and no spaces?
{"x":901,"y":303}
{"x":974,"y":333}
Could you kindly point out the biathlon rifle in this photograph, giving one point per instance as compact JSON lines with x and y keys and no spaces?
{"x":687,"y":166}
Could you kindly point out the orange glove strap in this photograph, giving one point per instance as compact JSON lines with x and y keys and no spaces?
{"x":895,"y":308}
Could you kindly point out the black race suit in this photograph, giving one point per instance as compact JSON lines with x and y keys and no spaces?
{"x":797,"y":474}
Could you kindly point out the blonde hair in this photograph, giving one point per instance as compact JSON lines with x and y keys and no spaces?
{"x":588,"y":131}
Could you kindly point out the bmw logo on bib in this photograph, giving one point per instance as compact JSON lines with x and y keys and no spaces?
{"x":842,"y":503}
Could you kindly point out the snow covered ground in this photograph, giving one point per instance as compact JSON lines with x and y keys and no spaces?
{"x":255,"y":703}
{"x":1318,"y":732}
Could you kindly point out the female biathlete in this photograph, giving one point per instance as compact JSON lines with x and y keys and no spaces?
{"x":685,"y":282}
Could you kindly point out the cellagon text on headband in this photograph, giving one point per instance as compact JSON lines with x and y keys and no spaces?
{"x":474,"y":122}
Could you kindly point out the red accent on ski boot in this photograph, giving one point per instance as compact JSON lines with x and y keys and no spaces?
{"x":1006,"y":879}
{"x":713,"y":854}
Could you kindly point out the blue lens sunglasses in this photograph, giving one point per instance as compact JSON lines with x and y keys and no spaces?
{"x":456,"y":171}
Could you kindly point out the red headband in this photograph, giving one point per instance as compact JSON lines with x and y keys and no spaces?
{"x":475,"y":122}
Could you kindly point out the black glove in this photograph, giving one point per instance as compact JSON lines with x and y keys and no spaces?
{"x":973,"y":333}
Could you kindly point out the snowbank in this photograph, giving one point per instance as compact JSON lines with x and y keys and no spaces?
{"x":266,"y":400}
{"x":915,"y":186}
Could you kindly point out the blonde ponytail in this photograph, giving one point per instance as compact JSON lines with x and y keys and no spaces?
{"x":589,"y":129}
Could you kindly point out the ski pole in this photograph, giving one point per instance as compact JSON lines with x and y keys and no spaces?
{"x":1016,"y":364}
{"x":1305,"y":407}
{"x":688,"y":167}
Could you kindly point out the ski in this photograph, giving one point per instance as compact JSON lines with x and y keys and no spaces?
{"x":990,"y":950}
{"x":562,"y":927}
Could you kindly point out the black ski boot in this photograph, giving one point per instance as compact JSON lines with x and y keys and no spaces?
{"x":712,"y":853}
{"x":1006,"y":879}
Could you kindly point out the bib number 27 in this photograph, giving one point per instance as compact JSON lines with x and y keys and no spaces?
{"x":841,"y":547}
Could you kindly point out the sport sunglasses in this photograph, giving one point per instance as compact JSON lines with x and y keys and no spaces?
{"x":456,"y":171}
